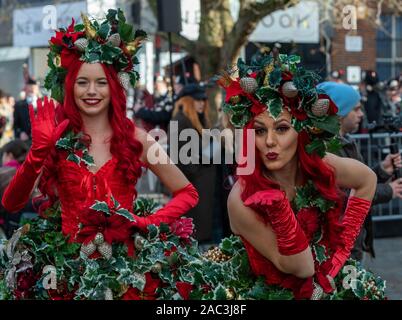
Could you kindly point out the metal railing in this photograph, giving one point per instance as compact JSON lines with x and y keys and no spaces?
{"x":374,"y":148}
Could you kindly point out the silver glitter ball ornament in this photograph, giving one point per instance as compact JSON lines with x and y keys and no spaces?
{"x":289,"y":89}
{"x":105,"y":249}
{"x":248,"y":84}
{"x":124,"y":79}
{"x":81,"y":44}
{"x":99,"y":239}
{"x":88,"y":248}
{"x":320,"y":107}
{"x":114,"y":40}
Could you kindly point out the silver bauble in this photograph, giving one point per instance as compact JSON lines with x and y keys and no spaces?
{"x":289,"y":89}
{"x":81,"y":44}
{"x":248,"y":84}
{"x":114,"y":40}
{"x":320,"y":107}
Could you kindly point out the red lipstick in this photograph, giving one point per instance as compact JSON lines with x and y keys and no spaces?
{"x":272,"y":155}
{"x":91,"y":102}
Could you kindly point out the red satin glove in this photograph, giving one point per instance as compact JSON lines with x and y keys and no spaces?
{"x":355,"y":214}
{"x":183,"y":200}
{"x":274,"y":204}
{"x":45,"y":133}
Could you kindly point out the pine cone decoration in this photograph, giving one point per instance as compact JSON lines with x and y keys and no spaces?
{"x":88,"y":249}
{"x":81,"y":44}
{"x":139,"y":242}
{"x":289,"y":89}
{"x":318,"y":292}
{"x":105,"y":249}
{"x":320,"y":107}
{"x":108,"y":294}
{"x":248,"y":84}
{"x":99,"y":239}
{"x":114,"y":40}
{"x":124,"y":79}
{"x":156,"y":268}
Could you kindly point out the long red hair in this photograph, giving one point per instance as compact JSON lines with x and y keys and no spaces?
{"x":123,"y":144}
{"x":312,"y":168}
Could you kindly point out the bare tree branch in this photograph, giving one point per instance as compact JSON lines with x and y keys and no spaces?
{"x":251,"y":12}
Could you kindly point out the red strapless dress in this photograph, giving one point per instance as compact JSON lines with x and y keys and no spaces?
{"x":78,"y":189}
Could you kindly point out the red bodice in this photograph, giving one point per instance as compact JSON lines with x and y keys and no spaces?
{"x":78,"y":188}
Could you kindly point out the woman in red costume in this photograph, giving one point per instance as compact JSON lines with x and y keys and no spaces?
{"x":288,"y":210}
{"x":85,"y":150}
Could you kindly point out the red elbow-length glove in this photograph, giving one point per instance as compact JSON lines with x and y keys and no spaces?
{"x":274,"y":204}
{"x":183,"y":200}
{"x":44,"y":135}
{"x":355,"y":214}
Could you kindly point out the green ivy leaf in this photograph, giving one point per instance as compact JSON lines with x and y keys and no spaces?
{"x":100,"y":206}
{"x":88,"y":159}
{"x":358,"y":288}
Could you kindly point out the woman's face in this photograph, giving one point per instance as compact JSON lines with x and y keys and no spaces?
{"x":199,"y":106}
{"x":91,"y":90}
{"x":276,"y":141}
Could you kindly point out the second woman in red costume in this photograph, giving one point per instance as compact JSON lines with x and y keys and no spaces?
{"x":288,"y":210}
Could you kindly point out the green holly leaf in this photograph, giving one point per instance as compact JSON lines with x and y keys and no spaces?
{"x":275,"y":107}
{"x":104,"y":30}
{"x":219,"y":293}
{"x":266,"y":93}
{"x":319,"y":251}
{"x":74,"y":158}
{"x":126,"y":31}
{"x":120,"y":15}
{"x":126,"y":214}
{"x":64,"y":143}
{"x":111,"y":15}
{"x":275,"y":78}
{"x":358,"y":288}
{"x":88,"y":159}
{"x":79,"y":27}
{"x":329,"y":124}
{"x":318,"y":146}
{"x":153,"y":231}
{"x":101,"y":206}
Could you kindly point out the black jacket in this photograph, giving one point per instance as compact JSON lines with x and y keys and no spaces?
{"x":21,"y":119}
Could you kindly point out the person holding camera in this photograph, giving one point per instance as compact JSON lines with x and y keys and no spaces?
{"x":350,"y":111}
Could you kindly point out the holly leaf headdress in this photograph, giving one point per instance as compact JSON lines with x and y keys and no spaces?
{"x":272,"y":82}
{"x":111,"y":41}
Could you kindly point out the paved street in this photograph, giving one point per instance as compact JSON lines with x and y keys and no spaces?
{"x":388,"y":265}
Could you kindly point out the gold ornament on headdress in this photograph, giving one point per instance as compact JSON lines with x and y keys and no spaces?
{"x":133,"y":45}
{"x":89,"y":29}
{"x":268,"y":69}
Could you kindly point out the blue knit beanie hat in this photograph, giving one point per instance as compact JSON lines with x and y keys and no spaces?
{"x":343,"y":95}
